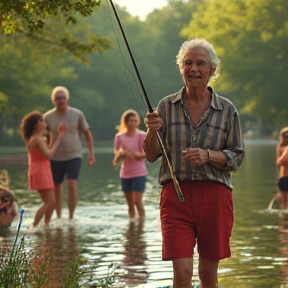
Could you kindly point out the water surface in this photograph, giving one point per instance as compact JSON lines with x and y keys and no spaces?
{"x":103,"y":233}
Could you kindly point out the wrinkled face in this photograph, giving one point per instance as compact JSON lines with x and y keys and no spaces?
{"x":132,"y":122}
{"x":60,"y":100}
{"x":196,"y":69}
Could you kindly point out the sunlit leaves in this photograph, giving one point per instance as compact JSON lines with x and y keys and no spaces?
{"x":251,"y":40}
{"x":31,"y":15}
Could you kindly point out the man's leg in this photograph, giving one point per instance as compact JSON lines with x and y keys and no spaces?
{"x":183,"y":272}
{"x":72,"y":196}
{"x":58,"y":171}
{"x":72,"y":174}
{"x":58,"y":199}
{"x":208,"y":273}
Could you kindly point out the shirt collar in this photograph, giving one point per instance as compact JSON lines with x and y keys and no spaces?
{"x":215,"y":102}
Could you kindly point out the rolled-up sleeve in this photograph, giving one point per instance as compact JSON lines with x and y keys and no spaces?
{"x":235,"y":146}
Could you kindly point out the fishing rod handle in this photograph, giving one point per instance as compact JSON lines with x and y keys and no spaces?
{"x":174,"y":179}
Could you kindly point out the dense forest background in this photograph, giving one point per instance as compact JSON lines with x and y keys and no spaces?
{"x":250,"y":37}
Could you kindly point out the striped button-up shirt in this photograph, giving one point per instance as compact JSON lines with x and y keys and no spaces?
{"x":218,"y":129}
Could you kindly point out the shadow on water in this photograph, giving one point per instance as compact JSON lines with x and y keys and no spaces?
{"x":103,"y":233}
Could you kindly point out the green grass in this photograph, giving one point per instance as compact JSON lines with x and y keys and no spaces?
{"x":22,"y":266}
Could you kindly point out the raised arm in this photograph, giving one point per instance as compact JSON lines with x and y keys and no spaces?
{"x":41,"y":144}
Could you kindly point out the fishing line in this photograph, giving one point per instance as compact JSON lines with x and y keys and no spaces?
{"x":151,"y":110}
{"x":153,"y":168}
{"x":126,"y":68}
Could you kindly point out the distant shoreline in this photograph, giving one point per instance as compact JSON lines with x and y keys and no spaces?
{"x":100,"y":147}
{"x":107,"y":147}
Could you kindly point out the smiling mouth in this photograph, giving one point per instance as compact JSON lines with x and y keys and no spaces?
{"x":194,"y":77}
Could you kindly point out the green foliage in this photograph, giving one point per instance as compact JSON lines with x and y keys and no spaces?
{"x":3,"y":101}
{"x":249,"y":36}
{"x":15,"y":265}
{"x":32,"y":15}
{"x":73,"y":276}
{"x":22,"y":267}
{"x":34,"y":19}
{"x":108,"y":281}
{"x":251,"y":39}
{"x":40,"y":270}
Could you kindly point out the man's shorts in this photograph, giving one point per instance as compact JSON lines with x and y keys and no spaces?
{"x":135,"y":184}
{"x":283,"y":184}
{"x":70,"y":168}
{"x":205,"y":217}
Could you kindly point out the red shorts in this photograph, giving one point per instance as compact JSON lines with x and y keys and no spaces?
{"x":206,"y":216}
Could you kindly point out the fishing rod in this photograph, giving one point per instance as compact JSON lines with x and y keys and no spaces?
{"x":150,"y":108}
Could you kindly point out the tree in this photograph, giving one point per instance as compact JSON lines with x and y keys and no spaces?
{"x":251,"y":39}
{"x":32,"y":18}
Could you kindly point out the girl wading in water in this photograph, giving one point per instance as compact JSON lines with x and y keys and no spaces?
{"x":128,"y":149}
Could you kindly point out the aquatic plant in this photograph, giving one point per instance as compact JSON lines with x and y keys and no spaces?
{"x":24,"y":267}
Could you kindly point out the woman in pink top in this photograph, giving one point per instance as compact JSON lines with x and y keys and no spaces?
{"x":128,"y":149}
{"x":39,"y":171}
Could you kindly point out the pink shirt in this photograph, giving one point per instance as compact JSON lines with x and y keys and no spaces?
{"x":131,"y":167}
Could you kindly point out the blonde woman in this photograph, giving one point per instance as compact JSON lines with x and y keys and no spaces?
{"x":128,"y":149}
{"x":282,"y":162}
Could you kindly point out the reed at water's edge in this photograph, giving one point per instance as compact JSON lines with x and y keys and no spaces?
{"x":22,"y":266}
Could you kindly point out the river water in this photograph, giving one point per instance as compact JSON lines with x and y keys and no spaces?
{"x":102,"y":232}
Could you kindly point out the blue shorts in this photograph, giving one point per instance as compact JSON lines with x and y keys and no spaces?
{"x":70,"y":168}
{"x":135,"y":184}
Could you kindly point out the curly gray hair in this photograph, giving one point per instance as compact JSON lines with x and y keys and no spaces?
{"x":199,"y":43}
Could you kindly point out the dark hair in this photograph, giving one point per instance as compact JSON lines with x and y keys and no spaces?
{"x":28,"y":124}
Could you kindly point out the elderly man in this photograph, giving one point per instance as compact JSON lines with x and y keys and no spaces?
{"x":67,"y":159}
{"x":202,"y":136}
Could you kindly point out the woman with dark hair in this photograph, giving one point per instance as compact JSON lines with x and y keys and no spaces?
{"x":128,"y":149}
{"x":39,"y":171}
{"x":282,"y":162}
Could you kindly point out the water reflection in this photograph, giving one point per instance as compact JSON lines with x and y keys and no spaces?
{"x":135,"y":254}
{"x":283,"y":249}
{"x":102,"y":232}
{"x":59,"y":246}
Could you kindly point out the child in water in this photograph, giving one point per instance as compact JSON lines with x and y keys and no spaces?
{"x":282,"y":162}
{"x":39,"y":171}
